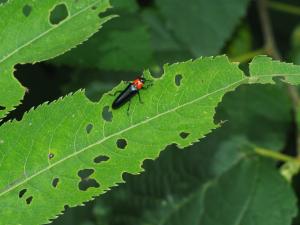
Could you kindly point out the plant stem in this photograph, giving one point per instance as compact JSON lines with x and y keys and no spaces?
{"x":276,"y":155}
{"x":248,"y":56}
{"x":270,"y":44}
{"x":272,"y":50}
{"x":283,"y":7}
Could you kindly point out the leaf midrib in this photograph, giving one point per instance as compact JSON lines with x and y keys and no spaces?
{"x":46,"y":32}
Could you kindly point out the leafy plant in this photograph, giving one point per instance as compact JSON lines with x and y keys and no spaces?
{"x":52,"y":159}
{"x":233,"y":119}
{"x":50,"y":165}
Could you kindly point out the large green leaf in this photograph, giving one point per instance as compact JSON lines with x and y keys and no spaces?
{"x":65,"y":153}
{"x":28,"y":35}
{"x":171,"y":190}
{"x":56,"y":141}
{"x":203,"y":26}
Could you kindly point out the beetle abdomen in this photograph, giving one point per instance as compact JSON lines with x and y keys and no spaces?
{"x":125,"y":96}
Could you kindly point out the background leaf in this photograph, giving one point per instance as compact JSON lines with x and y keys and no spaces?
{"x":33,"y":34}
{"x":124,"y":44}
{"x":240,"y":112}
{"x":182,"y":186}
{"x":213,"y":22}
{"x":249,"y":188}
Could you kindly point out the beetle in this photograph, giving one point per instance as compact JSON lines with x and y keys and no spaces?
{"x":130,"y":91}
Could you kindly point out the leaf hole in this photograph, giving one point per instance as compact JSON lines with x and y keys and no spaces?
{"x":27,"y":10}
{"x":51,"y":156}
{"x":107,"y":114}
{"x":59,"y":14}
{"x":29,"y":200}
{"x":55,"y":182}
{"x":85,"y":173}
{"x":102,"y":14}
{"x":22,"y":193}
{"x":2,"y":107}
{"x":184,"y":135}
{"x":89,"y":128}
{"x":178,"y":79}
{"x":101,"y":158}
{"x":121,"y":143}
{"x":87,"y":182}
{"x":94,"y":7}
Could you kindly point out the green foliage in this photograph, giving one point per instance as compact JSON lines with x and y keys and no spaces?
{"x":264,"y":70}
{"x":68,"y":168}
{"x":124,"y":44}
{"x":240,"y":112}
{"x":43,"y":155}
{"x":184,"y":187}
{"x":229,"y":117}
{"x":295,"y":54}
{"x":166,"y":47}
{"x":250,"y":188}
{"x":242,"y":43}
{"x":213,"y":22}
{"x":28,"y":36}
